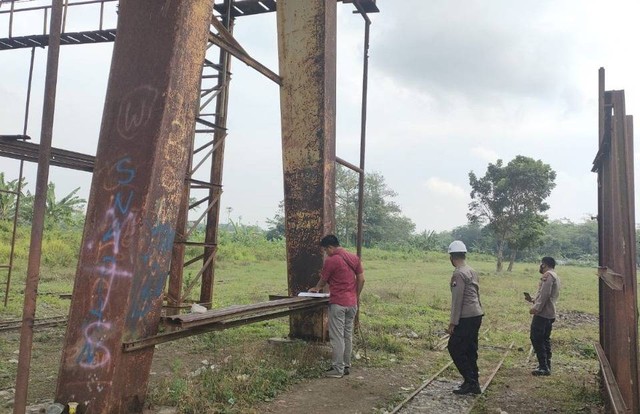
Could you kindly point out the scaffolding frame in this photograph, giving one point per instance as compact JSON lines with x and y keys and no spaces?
{"x":221,"y":36}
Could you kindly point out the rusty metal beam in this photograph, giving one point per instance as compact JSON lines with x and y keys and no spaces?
{"x":244,"y":57}
{"x":363,"y":128}
{"x":237,"y":311}
{"x":29,"y":151}
{"x":616,"y":401}
{"x":616,"y":219}
{"x":39,"y":204}
{"x":135,"y":345}
{"x":307,"y":61}
{"x":135,"y":198}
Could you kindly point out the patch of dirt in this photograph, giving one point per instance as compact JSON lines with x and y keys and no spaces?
{"x":366,"y":390}
{"x":573,"y":319}
{"x":377,"y":390}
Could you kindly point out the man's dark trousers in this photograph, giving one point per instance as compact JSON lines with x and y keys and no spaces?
{"x":541,"y":340}
{"x":463,"y":347}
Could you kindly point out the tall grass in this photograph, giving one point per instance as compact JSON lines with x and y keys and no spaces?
{"x":404,"y":311}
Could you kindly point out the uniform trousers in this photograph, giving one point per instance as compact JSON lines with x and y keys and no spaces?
{"x":541,"y":340}
{"x":463,"y":347}
{"x":341,"y":320}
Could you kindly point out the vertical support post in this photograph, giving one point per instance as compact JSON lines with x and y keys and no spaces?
{"x":37,"y":224}
{"x":627,"y":253}
{"x":150,"y":108}
{"x":16,"y":212}
{"x":619,"y":307}
{"x":601,"y":132}
{"x":217,"y":164}
{"x":363,"y":134}
{"x":307,"y":57}
{"x":176,"y":269}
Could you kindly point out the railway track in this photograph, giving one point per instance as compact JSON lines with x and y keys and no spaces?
{"x":435,"y":394}
{"x":16,"y":324}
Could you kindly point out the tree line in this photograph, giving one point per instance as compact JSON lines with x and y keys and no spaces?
{"x":506,"y":216}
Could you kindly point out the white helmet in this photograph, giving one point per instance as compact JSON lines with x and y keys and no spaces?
{"x":457,"y":246}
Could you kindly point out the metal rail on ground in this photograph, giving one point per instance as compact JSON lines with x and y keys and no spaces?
{"x":431,"y":379}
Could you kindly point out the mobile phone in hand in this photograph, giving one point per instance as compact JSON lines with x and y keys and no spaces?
{"x":527,"y":297}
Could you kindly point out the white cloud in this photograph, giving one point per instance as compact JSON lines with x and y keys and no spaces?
{"x":568,"y":199}
{"x":453,"y":85}
{"x":485,"y":154}
{"x":445,"y":188}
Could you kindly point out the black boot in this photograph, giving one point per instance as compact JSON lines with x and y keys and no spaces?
{"x":542,"y":369}
{"x":469,"y":387}
{"x":541,"y":372}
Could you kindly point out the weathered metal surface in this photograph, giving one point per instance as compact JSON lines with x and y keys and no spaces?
{"x":307,"y":61}
{"x":217,"y":163}
{"x":29,"y":151}
{"x":42,"y":39}
{"x":150,"y":110}
{"x":618,"y":306}
{"x":611,"y":388}
{"x":251,"y":7}
{"x":39,"y":205}
{"x":230,"y":321}
{"x":237,"y":311}
{"x":78,"y":38}
{"x":363,"y":128}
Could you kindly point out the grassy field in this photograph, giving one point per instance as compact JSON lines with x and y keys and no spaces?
{"x":404,"y":312}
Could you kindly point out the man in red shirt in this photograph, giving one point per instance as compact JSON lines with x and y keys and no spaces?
{"x":342,"y":271}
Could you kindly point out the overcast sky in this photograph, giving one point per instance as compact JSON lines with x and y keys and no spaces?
{"x":453,"y":86}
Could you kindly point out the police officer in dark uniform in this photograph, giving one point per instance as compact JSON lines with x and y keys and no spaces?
{"x":465,"y":321}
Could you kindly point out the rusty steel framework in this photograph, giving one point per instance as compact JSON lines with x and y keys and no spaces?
{"x":140,"y":219}
{"x":618,"y":347}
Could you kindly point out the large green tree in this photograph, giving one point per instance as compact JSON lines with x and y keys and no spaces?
{"x":382,"y":222}
{"x":511,"y":200}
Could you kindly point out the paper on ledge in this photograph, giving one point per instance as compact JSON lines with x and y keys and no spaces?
{"x":314,"y":294}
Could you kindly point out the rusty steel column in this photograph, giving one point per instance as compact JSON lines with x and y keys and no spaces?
{"x":39,"y":204}
{"x":150,"y":108}
{"x":601,"y":136}
{"x":307,"y":56}
{"x":619,"y":323}
{"x":363,"y":134}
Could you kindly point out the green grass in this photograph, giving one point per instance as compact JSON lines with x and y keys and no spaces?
{"x":404,"y":311}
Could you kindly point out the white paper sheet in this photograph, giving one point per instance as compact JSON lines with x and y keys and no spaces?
{"x":314,"y":295}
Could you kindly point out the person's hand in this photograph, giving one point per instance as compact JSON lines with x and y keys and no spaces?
{"x":451,"y":328}
{"x":314,"y":289}
{"x":533,"y":311}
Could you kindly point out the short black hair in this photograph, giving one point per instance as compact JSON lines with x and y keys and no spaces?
{"x":458,"y":255}
{"x":549,"y":261}
{"x":329,"y":240}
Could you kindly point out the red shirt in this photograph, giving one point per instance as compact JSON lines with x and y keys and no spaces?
{"x":339,"y":271}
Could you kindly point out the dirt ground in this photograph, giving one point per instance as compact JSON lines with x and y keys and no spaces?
{"x":366,"y":390}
